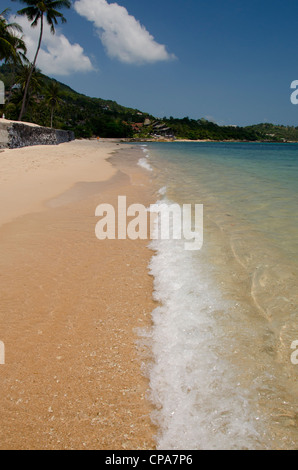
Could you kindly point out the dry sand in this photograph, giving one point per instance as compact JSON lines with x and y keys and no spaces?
{"x":32,"y":175}
{"x":70,"y":304}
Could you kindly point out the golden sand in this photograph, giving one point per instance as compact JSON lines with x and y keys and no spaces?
{"x":70,"y":304}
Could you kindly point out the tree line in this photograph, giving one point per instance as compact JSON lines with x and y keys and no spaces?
{"x":28,"y":90}
{"x":13,"y":50}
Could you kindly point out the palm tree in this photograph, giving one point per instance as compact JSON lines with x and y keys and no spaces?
{"x":36,"y":83}
{"x":22,"y":78}
{"x":17,"y":60}
{"x":39,"y":10}
{"x":19,"y":50}
{"x":12,"y":47}
{"x":53,"y":98}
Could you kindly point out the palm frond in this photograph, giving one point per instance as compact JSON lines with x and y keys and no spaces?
{"x":27,"y":2}
{"x":11,"y":45}
{"x":15,"y":26}
{"x":36,"y":10}
{"x":60,"y":4}
{"x":30,"y":12}
{"x":4,"y":13}
{"x":34,"y":23}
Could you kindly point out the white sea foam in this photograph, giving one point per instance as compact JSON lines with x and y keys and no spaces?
{"x":162,"y":191}
{"x":144,"y":164}
{"x":199,"y":404}
{"x":221,"y":377}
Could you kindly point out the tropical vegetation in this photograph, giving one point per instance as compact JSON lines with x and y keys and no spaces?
{"x":12,"y":46}
{"x":37,"y":11}
{"x":34,"y":97}
{"x":53,"y":103}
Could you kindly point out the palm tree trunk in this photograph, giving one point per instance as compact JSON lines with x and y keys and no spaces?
{"x":32,"y":69}
{"x":13,"y":83}
{"x":27,"y":103}
{"x":52,"y":115}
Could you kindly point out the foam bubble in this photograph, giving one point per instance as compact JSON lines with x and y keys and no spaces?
{"x":144,"y":164}
{"x":162,"y":191}
{"x":199,"y":404}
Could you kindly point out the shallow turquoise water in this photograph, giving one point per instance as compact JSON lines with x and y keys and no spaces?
{"x":257,"y":182}
{"x":222,"y":375}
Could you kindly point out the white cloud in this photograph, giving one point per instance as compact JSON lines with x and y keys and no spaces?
{"x":57,"y":55}
{"x":122,"y":35}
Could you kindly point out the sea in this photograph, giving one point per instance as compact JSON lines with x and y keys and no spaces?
{"x":223,"y":370}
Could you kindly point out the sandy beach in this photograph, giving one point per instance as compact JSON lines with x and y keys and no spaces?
{"x":32,"y":175}
{"x":71,"y":304}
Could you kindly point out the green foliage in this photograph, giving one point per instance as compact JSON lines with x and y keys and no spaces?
{"x":53,"y":98}
{"x":38,"y":11}
{"x":85,"y":116}
{"x":276,"y":133}
{"x":12,"y":47}
{"x":92,"y":117}
{"x":202,"y":129}
{"x":205,"y":130}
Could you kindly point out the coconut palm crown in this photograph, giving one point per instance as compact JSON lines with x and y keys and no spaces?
{"x":37,"y":11}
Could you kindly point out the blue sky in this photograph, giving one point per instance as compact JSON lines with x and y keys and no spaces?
{"x":226,"y":60}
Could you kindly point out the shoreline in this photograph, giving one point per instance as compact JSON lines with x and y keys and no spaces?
{"x":70,"y":309}
{"x":161,"y":141}
{"x":31,"y":176}
{"x":228,"y":296}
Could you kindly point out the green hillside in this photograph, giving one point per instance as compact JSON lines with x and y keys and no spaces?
{"x":275,"y":132}
{"x":85,"y":116}
{"x":203,"y":129}
{"x":89,"y":117}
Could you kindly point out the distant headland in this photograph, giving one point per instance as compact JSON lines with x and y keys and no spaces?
{"x":88,"y":117}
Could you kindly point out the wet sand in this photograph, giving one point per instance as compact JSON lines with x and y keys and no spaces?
{"x":70,"y":306}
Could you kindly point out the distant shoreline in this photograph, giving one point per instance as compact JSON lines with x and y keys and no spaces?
{"x":207,"y":140}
